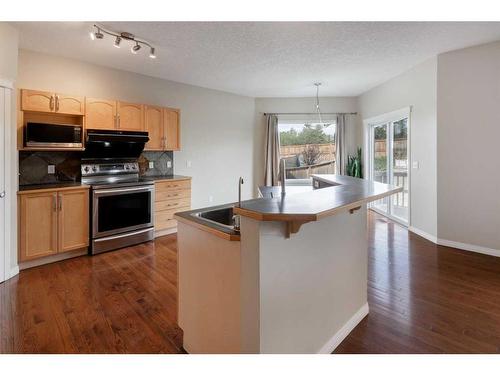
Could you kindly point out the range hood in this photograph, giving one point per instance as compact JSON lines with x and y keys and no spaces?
{"x":114,"y":144}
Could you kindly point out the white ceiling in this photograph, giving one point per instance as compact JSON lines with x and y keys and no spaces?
{"x":265,"y":59}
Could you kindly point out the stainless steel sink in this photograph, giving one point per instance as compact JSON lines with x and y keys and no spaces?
{"x":221,"y":217}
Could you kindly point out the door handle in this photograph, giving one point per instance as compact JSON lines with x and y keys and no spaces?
{"x":57,"y":103}
{"x":2,"y":194}
{"x":60,"y":202}
{"x":51,"y":104}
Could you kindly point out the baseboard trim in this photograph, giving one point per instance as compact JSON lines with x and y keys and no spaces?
{"x":469,"y":247}
{"x":165,"y":232}
{"x":421,"y":233}
{"x":52,"y":258}
{"x":343,"y":332}
{"x":13,"y":271}
{"x":456,"y":245}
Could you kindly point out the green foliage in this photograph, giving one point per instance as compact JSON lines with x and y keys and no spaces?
{"x":380,"y":163}
{"x":354,"y":166}
{"x":308,"y":135}
{"x":311,"y":154}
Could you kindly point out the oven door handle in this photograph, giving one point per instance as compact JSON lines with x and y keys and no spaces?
{"x":123,"y":190}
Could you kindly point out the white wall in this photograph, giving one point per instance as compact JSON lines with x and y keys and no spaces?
{"x":301,"y":105}
{"x":8,"y":73}
{"x":468,"y":96}
{"x":217,"y":128}
{"x":415,"y":88}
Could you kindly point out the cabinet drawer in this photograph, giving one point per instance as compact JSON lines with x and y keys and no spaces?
{"x":173,"y":204}
{"x":165,"y":220}
{"x":162,"y":195}
{"x":169,"y":185}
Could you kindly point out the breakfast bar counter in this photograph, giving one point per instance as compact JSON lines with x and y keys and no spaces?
{"x":295,"y":282}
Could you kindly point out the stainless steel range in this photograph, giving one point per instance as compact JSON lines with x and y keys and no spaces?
{"x":122,"y":204}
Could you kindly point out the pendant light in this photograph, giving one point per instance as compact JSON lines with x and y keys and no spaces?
{"x":318,"y":110}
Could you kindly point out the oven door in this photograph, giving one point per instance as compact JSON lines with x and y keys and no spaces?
{"x":118,"y":210}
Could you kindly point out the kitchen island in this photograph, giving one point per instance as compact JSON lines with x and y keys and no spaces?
{"x":295,"y":282}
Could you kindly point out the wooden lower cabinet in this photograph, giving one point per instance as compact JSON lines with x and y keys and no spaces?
{"x":52,"y":222}
{"x":38,"y":225}
{"x":73,"y":219}
{"x":171,"y":196}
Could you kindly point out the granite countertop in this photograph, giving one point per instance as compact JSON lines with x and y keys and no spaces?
{"x":56,"y":185}
{"x":344,"y":194}
{"x":165,"y":177}
{"x":76,"y":184}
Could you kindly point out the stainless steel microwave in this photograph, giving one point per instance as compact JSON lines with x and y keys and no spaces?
{"x":53,"y":135}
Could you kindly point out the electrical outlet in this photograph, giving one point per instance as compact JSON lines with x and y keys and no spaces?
{"x":169,"y":164}
{"x":151,"y":165}
{"x":415,"y":165}
{"x":188,"y":163}
{"x":210,"y":199}
{"x":51,"y":169}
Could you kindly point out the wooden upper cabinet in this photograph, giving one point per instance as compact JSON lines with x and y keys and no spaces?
{"x":172,"y":129}
{"x":153,"y":124}
{"x":38,"y":225}
{"x":69,"y":105}
{"x":37,"y":101}
{"x":73,"y":219}
{"x":100,"y":113}
{"x":130,"y":116}
{"x":43,"y":101}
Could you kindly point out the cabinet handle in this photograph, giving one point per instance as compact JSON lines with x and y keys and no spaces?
{"x":57,"y":103}
{"x":51,"y":104}
{"x":118,"y":121}
{"x":54,"y":202}
{"x":60,"y":202}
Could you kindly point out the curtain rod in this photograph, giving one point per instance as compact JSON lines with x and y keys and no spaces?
{"x":311,"y":113}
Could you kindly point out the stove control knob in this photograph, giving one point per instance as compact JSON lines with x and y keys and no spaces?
{"x":86,"y":169}
{"x":94,"y":168}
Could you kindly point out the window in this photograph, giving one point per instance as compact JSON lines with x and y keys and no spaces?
{"x":387,"y":161}
{"x":308,"y":148}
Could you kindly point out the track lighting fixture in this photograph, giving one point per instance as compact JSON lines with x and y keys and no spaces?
{"x":135,"y":48}
{"x":99,"y":31}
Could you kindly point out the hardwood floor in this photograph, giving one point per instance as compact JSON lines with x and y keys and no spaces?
{"x":423,"y":298}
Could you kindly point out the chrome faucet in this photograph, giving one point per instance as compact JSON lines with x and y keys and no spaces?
{"x":282,"y":176}
{"x":240,"y":182}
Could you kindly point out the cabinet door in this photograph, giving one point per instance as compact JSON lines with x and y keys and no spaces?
{"x":38,"y":101}
{"x":100,"y":114}
{"x":70,"y":105}
{"x":73,"y":206}
{"x":38,"y":225}
{"x":130,"y":116}
{"x":154,"y":126}
{"x":172,"y":129}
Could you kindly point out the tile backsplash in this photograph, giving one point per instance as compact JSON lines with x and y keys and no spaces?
{"x":33,"y":166}
{"x":160,"y":160}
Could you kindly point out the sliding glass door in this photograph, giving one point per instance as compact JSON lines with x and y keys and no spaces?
{"x":388,"y":162}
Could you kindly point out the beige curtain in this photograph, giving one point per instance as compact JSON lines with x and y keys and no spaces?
{"x":340,"y":164}
{"x":272,"y":151}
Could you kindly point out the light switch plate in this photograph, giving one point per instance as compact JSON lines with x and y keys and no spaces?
{"x":151,"y":165}
{"x":415,"y":165}
{"x":51,"y":169}
{"x":169,"y":164}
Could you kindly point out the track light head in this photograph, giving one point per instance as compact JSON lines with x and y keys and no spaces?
{"x":99,"y":34}
{"x":117,"y":42}
{"x":152,"y":53}
{"x":135,"y":48}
